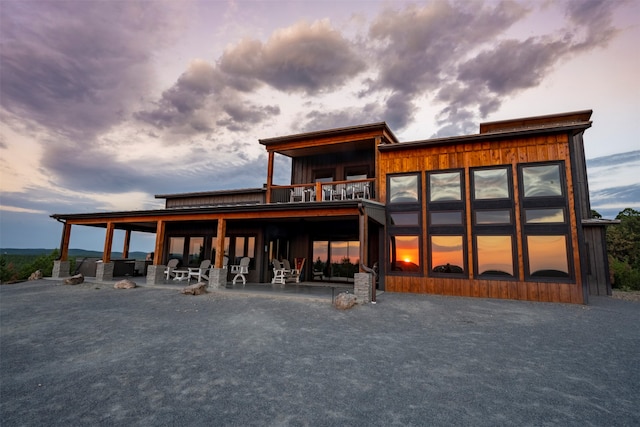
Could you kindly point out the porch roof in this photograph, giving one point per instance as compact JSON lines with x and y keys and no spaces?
{"x":146,"y":220}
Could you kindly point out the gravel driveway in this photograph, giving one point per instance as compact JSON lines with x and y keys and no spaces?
{"x":93,"y":355}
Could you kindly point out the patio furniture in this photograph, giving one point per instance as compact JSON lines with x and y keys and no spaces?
{"x":279,"y":272}
{"x":200,"y":272}
{"x":240,"y":270}
{"x":171,"y":266}
{"x":298,"y":194}
{"x":181,"y":275}
{"x":293,"y":273}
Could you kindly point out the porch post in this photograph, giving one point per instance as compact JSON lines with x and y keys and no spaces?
{"x":127,"y":241}
{"x":104,"y":269}
{"x":218,"y":274}
{"x":269,"y":176}
{"x":62,"y":265}
{"x":155,"y":272}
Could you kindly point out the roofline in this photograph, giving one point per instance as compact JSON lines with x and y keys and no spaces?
{"x":580,"y":116}
{"x":211,"y":193}
{"x":330,"y":132}
{"x":219,"y":209}
{"x":575,"y":127}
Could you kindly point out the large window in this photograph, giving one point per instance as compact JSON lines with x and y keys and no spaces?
{"x":176,"y":248}
{"x":545,"y":226}
{"x":494,"y":241}
{"x":196,"y":250}
{"x":446,"y":223}
{"x":404,"y":223}
{"x":404,"y":188}
{"x":336,"y":259}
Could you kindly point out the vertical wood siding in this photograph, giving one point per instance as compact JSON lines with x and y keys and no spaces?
{"x":478,"y":154}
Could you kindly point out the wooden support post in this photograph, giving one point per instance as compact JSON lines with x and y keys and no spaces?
{"x":66,"y":236}
{"x":159,"y":248}
{"x":269,"y":176}
{"x":127,"y":241}
{"x":364,"y":239}
{"x":108,"y":242}
{"x":220,"y":236}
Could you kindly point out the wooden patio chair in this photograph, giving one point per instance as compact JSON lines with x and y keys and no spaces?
{"x":171,"y":265}
{"x":201,"y":272}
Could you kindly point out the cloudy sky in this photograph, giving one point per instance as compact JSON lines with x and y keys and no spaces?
{"x":104,"y":104}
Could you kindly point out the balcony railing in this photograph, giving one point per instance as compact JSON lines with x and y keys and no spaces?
{"x":324,"y":191}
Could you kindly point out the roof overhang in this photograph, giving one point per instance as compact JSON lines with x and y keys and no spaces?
{"x":346,"y":139}
{"x":572,"y":128}
{"x":147,"y":220}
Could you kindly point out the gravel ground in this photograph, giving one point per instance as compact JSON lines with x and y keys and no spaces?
{"x":92,"y":355}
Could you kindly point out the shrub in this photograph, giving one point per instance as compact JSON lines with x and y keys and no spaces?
{"x":625,"y":277}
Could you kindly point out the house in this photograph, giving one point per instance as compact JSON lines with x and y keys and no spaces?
{"x":504,"y":213}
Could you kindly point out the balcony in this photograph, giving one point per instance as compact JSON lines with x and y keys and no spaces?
{"x":323,"y":191}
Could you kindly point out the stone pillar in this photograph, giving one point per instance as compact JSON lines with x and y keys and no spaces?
{"x":155,"y":274}
{"x":60,"y":269}
{"x":218,"y":278}
{"x":104,"y":271}
{"x":362,"y":287}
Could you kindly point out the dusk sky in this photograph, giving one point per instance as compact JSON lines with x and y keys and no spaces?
{"x":104,"y":104}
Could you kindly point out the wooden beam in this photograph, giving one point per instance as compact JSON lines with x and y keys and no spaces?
{"x":66,"y":236}
{"x":269,"y":176}
{"x":108,"y":242}
{"x":159,"y":248}
{"x":220,"y":235}
{"x":127,"y":241}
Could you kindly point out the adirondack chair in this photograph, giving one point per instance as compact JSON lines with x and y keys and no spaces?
{"x":171,"y":265}
{"x":201,"y":272}
{"x":240,"y":270}
{"x":291,"y":273}
{"x":279,"y":272}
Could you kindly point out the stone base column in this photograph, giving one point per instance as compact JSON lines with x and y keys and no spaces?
{"x":60,"y":269}
{"x":155,"y":274}
{"x":362,"y":287}
{"x":217,"y":278}
{"x":104,"y":271}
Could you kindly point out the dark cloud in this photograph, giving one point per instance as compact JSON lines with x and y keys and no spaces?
{"x":419,"y":47}
{"x":76,"y":67}
{"x":305,"y":58}
{"x":319,"y":119}
{"x":179,"y":105}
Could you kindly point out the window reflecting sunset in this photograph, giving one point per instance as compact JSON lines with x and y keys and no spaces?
{"x":547,"y":256}
{"x":495,"y":255}
{"x":405,"y":253}
{"x":447,"y":254}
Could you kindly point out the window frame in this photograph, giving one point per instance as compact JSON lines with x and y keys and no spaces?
{"x":494,"y":229}
{"x":447,"y":229}
{"x":545,"y":229}
{"x":393,"y":230}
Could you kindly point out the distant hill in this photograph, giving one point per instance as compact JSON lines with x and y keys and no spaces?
{"x":73,"y":253}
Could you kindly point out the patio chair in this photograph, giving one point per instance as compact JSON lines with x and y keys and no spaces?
{"x":201,"y":272}
{"x":297,"y":195}
{"x":291,"y":273}
{"x":240,"y":270}
{"x":171,"y":265}
{"x":279,"y":272}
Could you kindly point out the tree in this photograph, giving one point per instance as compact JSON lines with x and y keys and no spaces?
{"x":623,"y":247}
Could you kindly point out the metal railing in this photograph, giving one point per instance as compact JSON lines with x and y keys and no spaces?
{"x":324,"y":191}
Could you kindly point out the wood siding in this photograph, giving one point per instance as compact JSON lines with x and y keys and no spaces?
{"x":480,"y":154}
{"x":213,"y":200}
{"x":303,"y":168}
